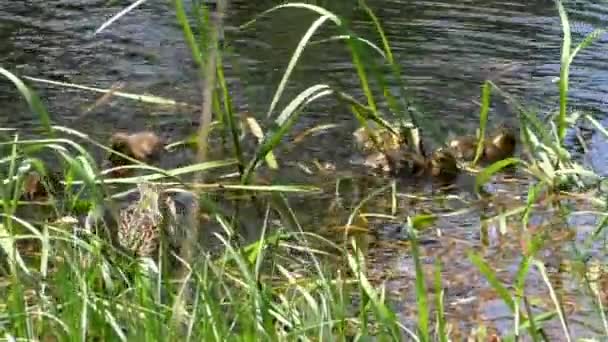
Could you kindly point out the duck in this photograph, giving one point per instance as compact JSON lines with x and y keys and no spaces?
{"x":442,"y":165}
{"x":138,"y":227}
{"x":39,"y":187}
{"x":498,"y":146}
{"x":405,"y":162}
{"x":143,"y":146}
{"x":464,"y":147}
{"x":371,"y":140}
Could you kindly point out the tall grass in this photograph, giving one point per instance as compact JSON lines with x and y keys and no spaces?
{"x":287,"y":285}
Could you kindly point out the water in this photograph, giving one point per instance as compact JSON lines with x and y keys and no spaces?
{"x":446,"y":48}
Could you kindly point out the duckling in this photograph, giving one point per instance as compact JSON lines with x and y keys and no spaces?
{"x":500,"y":145}
{"x":464,"y":147}
{"x":143,"y":146}
{"x":442,"y":165}
{"x":406,"y":163}
{"x":34,"y":186}
{"x":378,"y":161}
{"x":155,"y":217}
{"x":372,"y":139}
{"x":395,"y":162}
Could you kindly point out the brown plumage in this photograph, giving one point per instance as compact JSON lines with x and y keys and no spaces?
{"x":143,"y":146}
{"x":464,"y":147}
{"x":442,"y":165}
{"x":500,"y":145}
{"x":155,"y":216}
{"x":497,"y":146}
{"x":371,"y":140}
{"x":39,"y":187}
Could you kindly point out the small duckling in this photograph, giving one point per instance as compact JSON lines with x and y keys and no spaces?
{"x":406,"y":163}
{"x":442,"y":165}
{"x":464,"y":147}
{"x":378,"y":161}
{"x":143,"y":146}
{"x":366,"y":139}
{"x":500,"y":145}
{"x":34,"y":187}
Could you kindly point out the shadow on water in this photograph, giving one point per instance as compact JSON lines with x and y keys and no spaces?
{"x":446,"y":50}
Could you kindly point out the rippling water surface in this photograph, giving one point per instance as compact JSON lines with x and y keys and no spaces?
{"x":446,"y":48}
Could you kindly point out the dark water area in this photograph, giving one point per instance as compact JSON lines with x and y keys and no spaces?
{"x":447,"y":49}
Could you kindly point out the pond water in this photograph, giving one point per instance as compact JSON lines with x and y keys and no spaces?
{"x":446,"y":49}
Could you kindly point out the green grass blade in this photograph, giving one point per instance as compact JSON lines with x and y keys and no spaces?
{"x":283,"y":124}
{"x":385,"y":44}
{"x":130,"y":96}
{"x":442,"y":331}
{"x":483,"y":119}
{"x":118,"y":15}
{"x":363,"y":79}
{"x":564,"y":72}
{"x":294,"y":59}
{"x":256,"y":130}
{"x":486,"y":174}
{"x":558,"y":306}
{"x":317,"y":9}
{"x":401,"y":110}
{"x":533,"y":329}
{"x":230,"y":117}
{"x":346,"y":37}
{"x":490,"y":275}
{"x":421,"y":297}
{"x":7,"y":244}
{"x":588,"y":40}
{"x":384,"y":314}
{"x":182,"y":19}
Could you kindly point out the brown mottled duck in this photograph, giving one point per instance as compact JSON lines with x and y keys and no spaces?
{"x":139,"y":226}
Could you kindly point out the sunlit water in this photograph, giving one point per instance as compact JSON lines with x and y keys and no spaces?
{"x":446,"y":48}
